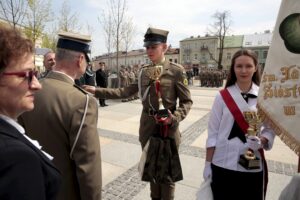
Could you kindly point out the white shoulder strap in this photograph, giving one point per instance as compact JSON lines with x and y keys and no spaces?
{"x":141,"y":96}
{"x":240,"y":102}
{"x":81,"y":124}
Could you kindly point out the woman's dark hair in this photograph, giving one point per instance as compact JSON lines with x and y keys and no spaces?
{"x":13,"y":47}
{"x":231,"y":78}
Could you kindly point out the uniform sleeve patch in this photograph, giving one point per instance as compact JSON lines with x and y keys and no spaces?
{"x":185,"y":81}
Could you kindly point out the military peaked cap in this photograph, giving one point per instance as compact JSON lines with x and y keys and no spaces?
{"x":74,"y":42}
{"x":155,"y":36}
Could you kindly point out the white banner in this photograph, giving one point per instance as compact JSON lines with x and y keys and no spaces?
{"x":279,"y":95}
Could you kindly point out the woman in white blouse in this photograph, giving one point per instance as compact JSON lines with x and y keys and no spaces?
{"x":26,"y":172}
{"x":226,"y":141}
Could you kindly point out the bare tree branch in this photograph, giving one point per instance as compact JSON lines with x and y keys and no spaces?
{"x":220,"y":29}
{"x":13,"y":11}
{"x":37,"y":16}
{"x":68,"y":21}
{"x":127,"y":35}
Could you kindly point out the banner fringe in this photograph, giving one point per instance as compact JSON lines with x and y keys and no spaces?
{"x":288,"y":139}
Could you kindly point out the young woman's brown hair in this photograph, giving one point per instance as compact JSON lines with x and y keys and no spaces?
{"x":231,"y":78}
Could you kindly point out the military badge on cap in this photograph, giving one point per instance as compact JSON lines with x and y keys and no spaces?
{"x":155,"y":36}
{"x":74,"y":42}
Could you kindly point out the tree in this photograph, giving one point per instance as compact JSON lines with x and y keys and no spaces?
{"x":49,"y":39}
{"x":220,"y":29}
{"x":37,"y":16}
{"x":68,"y":21}
{"x":117,"y":9}
{"x":108,"y":29}
{"x":13,"y":11}
{"x":127,"y":33}
{"x":112,"y":22}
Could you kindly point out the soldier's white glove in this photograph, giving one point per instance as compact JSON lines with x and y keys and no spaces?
{"x":207,"y":170}
{"x":254,"y":143}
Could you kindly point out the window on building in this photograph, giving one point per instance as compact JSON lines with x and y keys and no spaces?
{"x":265,"y":54}
{"x":170,"y":59}
{"x":184,"y":58}
{"x":196,"y":56}
{"x":175,"y":60}
{"x":257,"y":53}
{"x":248,"y":43}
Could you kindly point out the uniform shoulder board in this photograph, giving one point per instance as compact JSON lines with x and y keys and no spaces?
{"x":145,"y":66}
{"x":81,"y":89}
{"x":180,"y":69}
{"x":177,"y":65}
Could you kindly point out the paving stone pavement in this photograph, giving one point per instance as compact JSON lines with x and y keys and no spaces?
{"x":121,"y":150}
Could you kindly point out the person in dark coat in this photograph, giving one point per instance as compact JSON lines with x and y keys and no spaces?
{"x":101,"y":79}
{"x":26,"y":171}
{"x":88,"y":78}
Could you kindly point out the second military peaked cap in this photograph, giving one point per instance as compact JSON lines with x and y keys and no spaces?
{"x":155,"y":36}
{"x":74,"y":42}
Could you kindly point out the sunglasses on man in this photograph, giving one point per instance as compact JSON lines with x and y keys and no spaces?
{"x":26,"y":74}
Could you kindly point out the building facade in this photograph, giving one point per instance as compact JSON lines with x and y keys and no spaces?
{"x":132,"y":58}
{"x":198,"y":51}
{"x":260,"y":44}
{"x":204,"y":51}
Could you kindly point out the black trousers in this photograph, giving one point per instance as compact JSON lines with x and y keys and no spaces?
{"x":234,"y":185}
{"x":102,"y":102}
{"x":162,"y":191}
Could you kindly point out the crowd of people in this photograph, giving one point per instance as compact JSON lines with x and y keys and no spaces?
{"x":49,"y":142}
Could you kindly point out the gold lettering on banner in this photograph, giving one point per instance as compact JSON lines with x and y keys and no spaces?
{"x":289,"y":110}
{"x":268,"y":77}
{"x":285,"y":84}
{"x":278,"y":87}
{"x":270,"y":91}
{"x":290,"y":73}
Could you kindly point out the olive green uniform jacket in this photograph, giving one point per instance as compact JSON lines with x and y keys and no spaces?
{"x":54,"y":122}
{"x":173,"y":86}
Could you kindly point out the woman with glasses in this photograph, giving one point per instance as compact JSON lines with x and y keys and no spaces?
{"x":26,"y":171}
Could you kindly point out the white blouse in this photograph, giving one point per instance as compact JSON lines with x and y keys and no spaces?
{"x":227,"y":152}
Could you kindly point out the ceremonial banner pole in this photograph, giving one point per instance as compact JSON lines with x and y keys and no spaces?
{"x":279,"y":95}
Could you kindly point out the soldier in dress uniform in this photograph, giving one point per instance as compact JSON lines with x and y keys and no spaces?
{"x":173,"y":86}
{"x":64,"y":121}
{"x":123,"y":73}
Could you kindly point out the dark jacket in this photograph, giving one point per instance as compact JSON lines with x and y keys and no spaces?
{"x":162,"y":163}
{"x":88,"y":78}
{"x":26,"y":173}
{"x":101,"y":78}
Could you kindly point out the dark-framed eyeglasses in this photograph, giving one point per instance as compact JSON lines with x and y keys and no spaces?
{"x":26,"y":74}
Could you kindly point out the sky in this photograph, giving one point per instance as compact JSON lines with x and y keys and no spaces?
{"x":182,"y":18}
